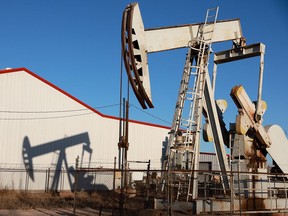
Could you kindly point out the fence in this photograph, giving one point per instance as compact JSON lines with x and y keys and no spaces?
{"x":248,"y":193}
{"x":115,"y":190}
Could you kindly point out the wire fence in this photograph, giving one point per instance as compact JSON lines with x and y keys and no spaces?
{"x":117,"y":191}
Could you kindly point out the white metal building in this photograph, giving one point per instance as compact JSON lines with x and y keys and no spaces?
{"x":43,"y":126}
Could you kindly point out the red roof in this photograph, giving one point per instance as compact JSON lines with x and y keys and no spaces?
{"x":4,"y":71}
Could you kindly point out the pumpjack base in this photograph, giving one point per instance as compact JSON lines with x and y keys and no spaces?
{"x":271,"y":206}
{"x":177,"y":206}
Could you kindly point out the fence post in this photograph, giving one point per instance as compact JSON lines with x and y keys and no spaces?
{"x":27,"y":180}
{"x":75,"y":184}
{"x":147,"y":185}
{"x":48,"y":180}
{"x":45,"y":186}
{"x":231,"y":193}
{"x":113,"y":192}
{"x":122,"y":196}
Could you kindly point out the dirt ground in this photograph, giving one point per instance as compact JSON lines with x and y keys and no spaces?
{"x":79,"y":212}
{"x":13,"y":203}
{"x":52,"y":212}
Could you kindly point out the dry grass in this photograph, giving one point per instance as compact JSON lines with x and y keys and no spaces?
{"x":101,"y":200}
{"x":10,"y":199}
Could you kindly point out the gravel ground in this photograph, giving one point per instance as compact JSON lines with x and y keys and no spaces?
{"x":51,"y":212}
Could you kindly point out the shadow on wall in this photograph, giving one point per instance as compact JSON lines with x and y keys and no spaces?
{"x":164,"y":149}
{"x":28,"y":153}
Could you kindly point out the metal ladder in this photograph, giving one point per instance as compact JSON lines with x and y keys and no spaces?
{"x":196,"y":105}
{"x":199,"y":51}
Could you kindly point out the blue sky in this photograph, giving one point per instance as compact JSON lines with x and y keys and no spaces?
{"x":76,"y":46}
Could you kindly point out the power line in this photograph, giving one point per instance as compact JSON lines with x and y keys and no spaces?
{"x":51,"y":111}
{"x":56,"y":111}
{"x":67,"y":111}
{"x":51,"y":117}
{"x":150,"y":114}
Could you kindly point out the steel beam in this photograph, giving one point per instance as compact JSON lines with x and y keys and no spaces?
{"x":216,"y":131}
{"x":174,"y":37}
{"x":239,"y":53}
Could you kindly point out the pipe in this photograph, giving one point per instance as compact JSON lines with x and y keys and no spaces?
{"x":258,"y":113}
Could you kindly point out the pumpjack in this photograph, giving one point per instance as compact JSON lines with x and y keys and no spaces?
{"x":248,"y":140}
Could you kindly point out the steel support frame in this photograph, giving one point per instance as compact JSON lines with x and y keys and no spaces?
{"x":219,"y":58}
{"x":216,"y":131}
{"x":240,"y":53}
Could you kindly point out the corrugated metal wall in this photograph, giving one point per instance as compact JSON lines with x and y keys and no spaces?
{"x":48,"y":128}
{"x":211,"y":158}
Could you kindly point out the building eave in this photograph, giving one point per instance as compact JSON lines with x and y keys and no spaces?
{"x":23,"y":69}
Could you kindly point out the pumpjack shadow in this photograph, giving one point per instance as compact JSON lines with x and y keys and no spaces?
{"x":85,"y":181}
